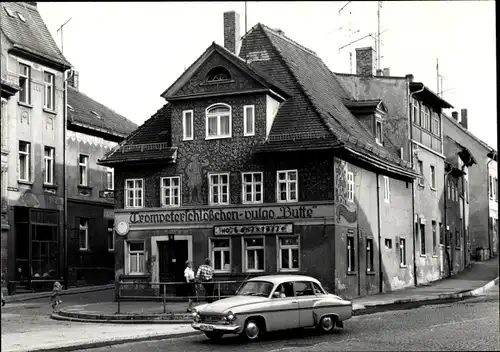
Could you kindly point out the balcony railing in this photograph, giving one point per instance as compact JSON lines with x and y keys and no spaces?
{"x":144,"y":147}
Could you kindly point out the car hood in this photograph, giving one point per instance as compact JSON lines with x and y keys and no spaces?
{"x":230,"y":303}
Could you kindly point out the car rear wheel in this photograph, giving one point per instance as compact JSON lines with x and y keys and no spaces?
{"x":212,"y":335}
{"x":252,"y":330}
{"x":326,"y":324}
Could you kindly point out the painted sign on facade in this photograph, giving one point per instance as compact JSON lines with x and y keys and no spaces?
{"x":345,"y":208}
{"x":253,"y":229}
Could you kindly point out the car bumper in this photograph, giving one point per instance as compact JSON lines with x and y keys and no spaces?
{"x":226,"y":329}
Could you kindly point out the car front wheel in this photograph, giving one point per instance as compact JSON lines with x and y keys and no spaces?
{"x":326,"y":324}
{"x":215,"y":336}
{"x":252,"y":330}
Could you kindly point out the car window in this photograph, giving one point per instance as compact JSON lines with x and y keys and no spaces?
{"x":285,"y":289}
{"x":303,"y":288}
{"x":317,"y":289}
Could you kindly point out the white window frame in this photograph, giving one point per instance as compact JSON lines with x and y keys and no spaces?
{"x":48,"y":165}
{"x":220,"y":251}
{"x":163,"y":189}
{"x":350,"y":185}
{"x":26,"y":153}
{"x":245,"y":249}
{"x":435,"y":124}
{"x":83,"y":170}
{"x":219,"y":188}
{"x":288,"y":182}
{"x":111,"y":230}
{"x":218,"y":116}
{"x":189,"y":123}
{"x":84,"y":228}
{"x":247,"y":133}
{"x":110,"y":171}
{"x":432,"y":171}
{"x":27,"y":82}
{"x":135,"y":190}
{"x":492,"y":190}
{"x":50,"y":106}
{"x":387,"y":189}
{"x":137,"y":255}
{"x":379,"y":139}
{"x":425,"y":118}
{"x":351,"y":260}
{"x":421,"y":172}
{"x":253,"y":185}
{"x":290,"y":249}
{"x":370,"y":255}
{"x":416,"y":111}
{"x":402,"y":252}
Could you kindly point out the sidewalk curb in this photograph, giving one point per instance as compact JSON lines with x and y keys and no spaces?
{"x":484,"y":288}
{"x":71,"y":291}
{"x":98,"y":344}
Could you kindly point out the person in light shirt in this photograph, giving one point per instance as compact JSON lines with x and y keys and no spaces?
{"x":189,"y":275}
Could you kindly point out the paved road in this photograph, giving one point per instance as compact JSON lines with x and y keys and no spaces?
{"x":468,"y":325}
{"x":34,"y":314}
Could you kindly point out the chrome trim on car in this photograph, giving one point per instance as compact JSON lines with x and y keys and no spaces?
{"x":235,"y":329}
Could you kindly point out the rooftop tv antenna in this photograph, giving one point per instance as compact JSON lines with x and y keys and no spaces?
{"x":61,"y":30}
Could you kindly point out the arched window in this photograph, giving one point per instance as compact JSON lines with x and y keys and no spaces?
{"x":218,"y":121}
{"x":218,"y":74}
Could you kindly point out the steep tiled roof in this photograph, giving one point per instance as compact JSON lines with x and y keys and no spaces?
{"x":30,"y":35}
{"x":84,"y":110}
{"x":317,"y":105}
{"x":150,"y":141}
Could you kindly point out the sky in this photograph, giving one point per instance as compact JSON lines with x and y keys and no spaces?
{"x":128,"y":53}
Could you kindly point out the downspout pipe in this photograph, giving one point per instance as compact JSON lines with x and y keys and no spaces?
{"x":381,"y":273}
{"x":488,"y":198}
{"x":67,"y":75}
{"x":445,"y":222}
{"x":410,"y":127}
{"x":464,"y":227}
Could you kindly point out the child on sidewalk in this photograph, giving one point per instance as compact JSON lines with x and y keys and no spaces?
{"x":55,"y":295}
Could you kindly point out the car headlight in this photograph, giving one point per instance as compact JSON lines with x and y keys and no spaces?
{"x":230,"y":316}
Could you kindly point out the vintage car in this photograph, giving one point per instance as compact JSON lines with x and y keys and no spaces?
{"x":270,"y":303}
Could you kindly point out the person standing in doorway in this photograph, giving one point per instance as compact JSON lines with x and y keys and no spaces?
{"x":205,"y":275}
{"x":190,"y":284}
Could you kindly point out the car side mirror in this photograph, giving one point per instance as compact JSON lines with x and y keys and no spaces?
{"x":276,"y":295}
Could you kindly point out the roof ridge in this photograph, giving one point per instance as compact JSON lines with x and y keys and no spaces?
{"x":280,"y":35}
{"x":101,"y":104}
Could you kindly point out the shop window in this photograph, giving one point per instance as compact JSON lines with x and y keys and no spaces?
{"x":111,"y":235}
{"x":402,"y":252}
{"x":221,"y":254}
{"x":351,"y":254}
{"x":287,"y":186}
{"x":252,"y":187}
{"x":134,"y":193}
{"x":218,"y":121}
{"x":422,"y":239}
{"x":44,"y":251}
{"x":136,"y":257}
{"x":24,"y":161}
{"x":83,"y":165}
{"x":218,"y":189}
{"x":369,"y":255}
{"x":83,"y":237}
{"x":288,"y":253}
{"x":187,"y":125}
{"x":253,"y":254}
{"x":170,"y":191}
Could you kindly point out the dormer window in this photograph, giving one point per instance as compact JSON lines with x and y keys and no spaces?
{"x":218,"y":74}
{"x":96,"y":114}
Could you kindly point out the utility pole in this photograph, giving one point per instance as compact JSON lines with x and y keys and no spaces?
{"x":437,"y":73}
{"x":61,"y":29}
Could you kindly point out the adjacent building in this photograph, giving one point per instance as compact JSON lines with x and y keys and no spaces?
{"x":33,"y":75}
{"x":483,"y":187}
{"x":256,"y":163}
{"x":413,"y":124}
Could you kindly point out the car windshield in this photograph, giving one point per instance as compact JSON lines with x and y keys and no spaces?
{"x":255,"y":288}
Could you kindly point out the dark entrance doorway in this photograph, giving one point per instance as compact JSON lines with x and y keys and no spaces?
{"x":172,"y":259}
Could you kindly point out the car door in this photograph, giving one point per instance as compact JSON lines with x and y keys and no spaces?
{"x":284,"y":311}
{"x":304,"y":293}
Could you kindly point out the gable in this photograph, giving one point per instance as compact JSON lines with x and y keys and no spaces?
{"x":216,"y":63}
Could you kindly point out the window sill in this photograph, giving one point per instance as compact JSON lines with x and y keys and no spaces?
{"x":135,"y":276}
{"x":170,"y":206}
{"x":403,"y":266}
{"x":458,"y":248}
{"x":289,"y":270}
{"x":85,"y":250}
{"x":248,"y":134}
{"x":23,"y":182}
{"x":352,"y":273}
{"x":187,"y":139}
{"x":128,"y":207}
{"x":50,"y":186}
{"x":423,"y":255}
{"x":222,"y":271}
{"x":253,"y":271}
{"x":286,"y":201}
{"x":85,"y":187}
{"x":207,"y":138}
{"x":252,"y":203}
{"x":111,"y":250}
{"x":49,"y":111}
{"x":370,"y":273}
{"x":26,"y":105}
{"x":433,"y":189}
{"x":218,"y":204}
{"x":435,"y":256}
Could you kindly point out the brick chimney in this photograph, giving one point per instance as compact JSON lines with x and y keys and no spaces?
{"x":409,"y":77}
{"x":74,"y":80}
{"x":454,"y":114}
{"x":463,"y":118}
{"x":32,"y":3}
{"x":365,"y":63}
{"x":380,"y":72}
{"x":387,"y":72}
{"x":232,"y":35}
